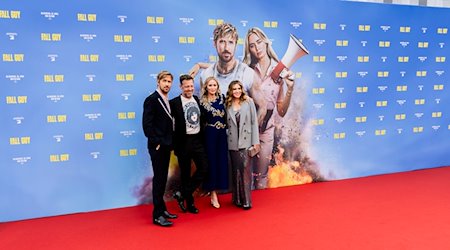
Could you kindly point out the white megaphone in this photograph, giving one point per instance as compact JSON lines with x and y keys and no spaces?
{"x":295,"y":50}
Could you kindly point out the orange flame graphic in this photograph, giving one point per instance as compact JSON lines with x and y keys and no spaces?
{"x":287,"y":173}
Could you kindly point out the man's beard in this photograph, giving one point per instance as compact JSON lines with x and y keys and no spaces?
{"x":229,"y":58}
{"x":164,"y":91}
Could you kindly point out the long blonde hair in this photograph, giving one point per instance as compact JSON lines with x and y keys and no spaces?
{"x":204,"y":91}
{"x":244,"y":97}
{"x":249,"y":59}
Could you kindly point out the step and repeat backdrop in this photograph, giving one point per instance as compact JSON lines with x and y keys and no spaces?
{"x":371,"y":97}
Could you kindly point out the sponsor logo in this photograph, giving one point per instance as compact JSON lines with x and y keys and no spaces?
{"x":58,"y":138}
{"x":49,"y":14}
{"x":90,"y":77}
{"x":55,"y":98}
{"x":11,"y":35}
{"x":93,"y":116}
{"x":187,"y":58}
{"x":95,"y":155}
{"x":122,"y":18}
{"x":124,"y":58}
{"x":127,"y":133}
{"x":88,"y":37}
{"x":22,"y":160}
{"x":385,"y":27}
{"x":15,"y":78}
{"x":186,"y":20}
{"x":295,"y":24}
{"x":52,"y":57}
{"x":18,"y":119}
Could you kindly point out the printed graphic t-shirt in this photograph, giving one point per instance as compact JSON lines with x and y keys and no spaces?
{"x":191,"y":115}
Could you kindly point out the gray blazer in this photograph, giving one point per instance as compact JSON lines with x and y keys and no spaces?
{"x":248,"y":127}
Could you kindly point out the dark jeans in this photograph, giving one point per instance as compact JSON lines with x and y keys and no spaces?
{"x":193,"y":151}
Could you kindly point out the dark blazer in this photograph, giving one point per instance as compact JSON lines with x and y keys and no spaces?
{"x":157,"y":122}
{"x":180,"y":124}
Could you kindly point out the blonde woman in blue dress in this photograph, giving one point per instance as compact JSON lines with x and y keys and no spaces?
{"x":213,"y":110}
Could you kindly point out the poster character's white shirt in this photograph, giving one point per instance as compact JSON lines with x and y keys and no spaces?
{"x":241,"y":72}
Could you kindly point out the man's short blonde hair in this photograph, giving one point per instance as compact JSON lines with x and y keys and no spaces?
{"x":225,"y":29}
{"x":163,"y":74}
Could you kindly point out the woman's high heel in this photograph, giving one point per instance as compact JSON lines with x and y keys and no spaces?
{"x":215,"y":204}
{"x":214,"y":200}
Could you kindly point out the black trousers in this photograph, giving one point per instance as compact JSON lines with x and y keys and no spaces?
{"x":160,"y":164}
{"x":193,"y":151}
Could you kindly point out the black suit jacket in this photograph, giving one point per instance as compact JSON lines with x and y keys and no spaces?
{"x":156,"y":121}
{"x":180,"y":124}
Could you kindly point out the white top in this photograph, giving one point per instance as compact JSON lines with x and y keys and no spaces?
{"x":191,"y":115}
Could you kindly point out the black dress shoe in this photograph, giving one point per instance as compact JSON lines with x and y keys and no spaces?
{"x":180,"y":201}
{"x":246,"y":207}
{"x":161,"y":221}
{"x":168,"y":215}
{"x":192,"y":209}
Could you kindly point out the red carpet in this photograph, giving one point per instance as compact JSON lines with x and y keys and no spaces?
{"x":408,"y":210}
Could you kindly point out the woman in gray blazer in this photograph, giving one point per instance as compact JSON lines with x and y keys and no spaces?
{"x":243,"y":142}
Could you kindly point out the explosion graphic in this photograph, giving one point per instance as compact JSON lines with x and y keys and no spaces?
{"x":291,"y":163}
{"x":292,"y":172}
{"x":143,"y":193}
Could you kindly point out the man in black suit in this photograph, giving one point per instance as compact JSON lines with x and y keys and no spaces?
{"x":157,"y":122}
{"x":188,"y":143}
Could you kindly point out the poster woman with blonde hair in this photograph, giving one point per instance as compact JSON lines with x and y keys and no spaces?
{"x":259,"y":55}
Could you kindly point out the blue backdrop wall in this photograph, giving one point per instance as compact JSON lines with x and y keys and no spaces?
{"x":370,"y":98}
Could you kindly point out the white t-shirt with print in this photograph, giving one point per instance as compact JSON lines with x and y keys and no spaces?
{"x":191,"y":115}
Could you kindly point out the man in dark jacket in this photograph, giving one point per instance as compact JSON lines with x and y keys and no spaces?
{"x":158,"y":125}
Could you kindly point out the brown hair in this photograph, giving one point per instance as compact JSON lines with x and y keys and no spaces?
{"x":185,"y":77}
{"x":229,"y":97}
